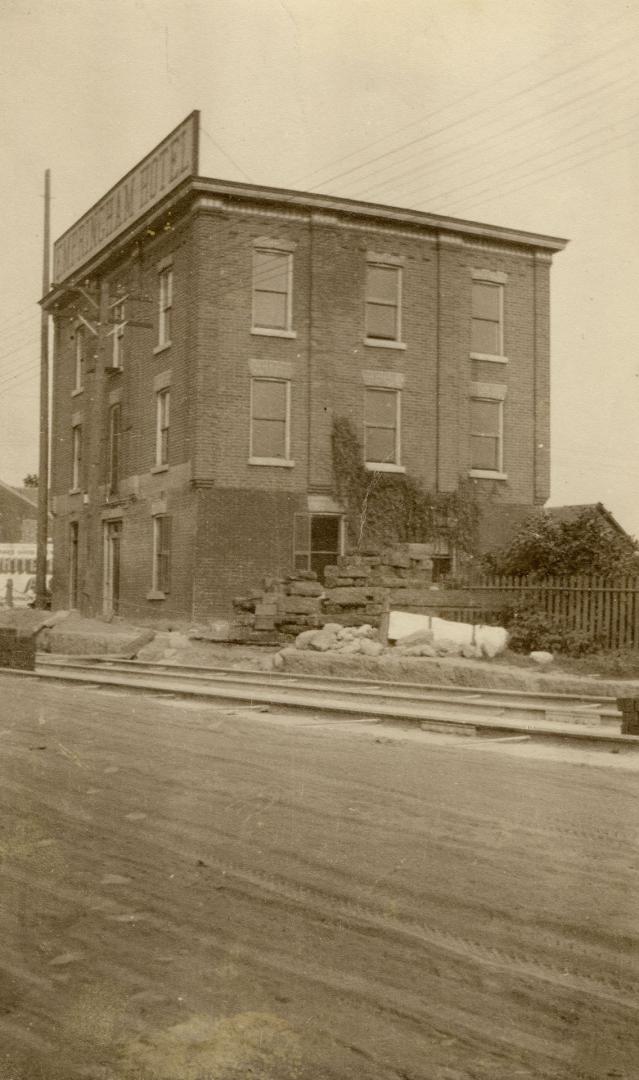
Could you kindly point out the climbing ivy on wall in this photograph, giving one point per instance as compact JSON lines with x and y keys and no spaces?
{"x":386,"y":508}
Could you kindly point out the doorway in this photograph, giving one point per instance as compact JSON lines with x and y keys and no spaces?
{"x":111,"y":584}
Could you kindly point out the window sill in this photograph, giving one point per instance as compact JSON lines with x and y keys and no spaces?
{"x":159,"y":469}
{"x":263,"y":331}
{"x":155,"y":594}
{"x":384,"y":466}
{"x":381,"y":343}
{"x":282,"y":463}
{"x":488,"y":474}
{"x":162,"y":348}
{"x":492,"y":358}
{"x":78,"y":390}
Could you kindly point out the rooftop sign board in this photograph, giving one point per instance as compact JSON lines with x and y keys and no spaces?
{"x":171,"y":162}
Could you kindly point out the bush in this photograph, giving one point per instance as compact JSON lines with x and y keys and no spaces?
{"x":531,"y":629}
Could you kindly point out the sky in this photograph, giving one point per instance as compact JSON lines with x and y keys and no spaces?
{"x":520,"y":113}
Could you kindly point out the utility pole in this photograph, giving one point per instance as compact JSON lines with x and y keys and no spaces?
{"x":43,"y":470}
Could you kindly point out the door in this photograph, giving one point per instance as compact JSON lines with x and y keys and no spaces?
{"x":111,"y":589}
{"x":74,"y":544}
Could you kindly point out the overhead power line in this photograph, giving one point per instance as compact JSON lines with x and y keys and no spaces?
{"x":536,"y":156}
{"x":473,"y":203}
{"x":471,"y":116}
{"x":471,"y":95}
{"x":484,"y":141}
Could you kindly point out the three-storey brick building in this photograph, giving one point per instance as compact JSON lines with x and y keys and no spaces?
{"x":208,"y":332}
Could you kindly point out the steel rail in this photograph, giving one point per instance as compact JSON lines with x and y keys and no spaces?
{"x":475,"y":708}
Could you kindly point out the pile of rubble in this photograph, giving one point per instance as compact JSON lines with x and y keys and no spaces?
{"x":333,"y":637}
{"x":364,"y":640}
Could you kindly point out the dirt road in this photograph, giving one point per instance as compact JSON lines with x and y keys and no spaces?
{"x":196,"y":893}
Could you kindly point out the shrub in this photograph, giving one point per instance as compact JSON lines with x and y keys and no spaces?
{"x":531,"y":629}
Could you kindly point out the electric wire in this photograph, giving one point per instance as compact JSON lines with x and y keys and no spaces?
{"x":473,"y":203}
{"x":593,"y":133}
{"x":471,"y":95}
{"x":470,"y":116}
{"x":484,"y":141}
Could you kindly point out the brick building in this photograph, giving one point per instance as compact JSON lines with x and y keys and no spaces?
{"x":208,"y":332}
{"x":18,"y":514}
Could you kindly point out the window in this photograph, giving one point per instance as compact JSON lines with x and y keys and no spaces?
{"x":318,"y":541}
{"x":383,"y":302}
{"x":166,"y":306}
{"x":486,"y":435}
{"x":486,"y":338}
{"x":272,"y":290}
{"x":115,"y":430}
{"x":162,"y":419}
{"x":80,"y":350}
{"x":117,"y":355}
{"x":381,"y":427}
{"x":76,"y":457}
{"x":74,"y":547}
{"x":161,"y":553}
{"x":270,"y":421}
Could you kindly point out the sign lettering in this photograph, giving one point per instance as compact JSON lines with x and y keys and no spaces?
{"x":175,"y":159}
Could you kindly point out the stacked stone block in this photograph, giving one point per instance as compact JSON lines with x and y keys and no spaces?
{"x":358,"y":591}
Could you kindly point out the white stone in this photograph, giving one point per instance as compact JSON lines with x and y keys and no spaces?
{"x":323,"y":640}
{"x":303,"y":640}
{"x":402,"y":623}
{"x":541,"y":657}
{"x":492,"y":640}
{"x":351,"y":648}
{"x":368,"y":647}
{"x":460,"y":632}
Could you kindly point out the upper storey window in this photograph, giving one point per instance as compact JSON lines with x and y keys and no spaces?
{"x":117,"y":332}
{"x":165,"y":307}
{"x":80,"y":357}
{"x":272,"y":291}
{"x":383,"y":303}
{"x":487,"y":320}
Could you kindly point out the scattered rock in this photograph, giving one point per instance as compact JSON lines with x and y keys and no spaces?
{"x":471,"y":652}
{"x":303,"y":640}
{"x":323,"y":640}
{"x":541,"y":657}
{"x":492,"y":640}
{"x":350,"y":648}
{"x":368,"y":647}
{"x":446,"y":647}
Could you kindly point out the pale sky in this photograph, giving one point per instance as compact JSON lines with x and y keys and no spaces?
{"x":520,"y":113}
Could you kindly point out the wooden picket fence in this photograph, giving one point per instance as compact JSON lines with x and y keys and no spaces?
{"x":607,"y":608}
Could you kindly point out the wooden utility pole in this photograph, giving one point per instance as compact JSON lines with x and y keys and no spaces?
{"x":43,"y":471}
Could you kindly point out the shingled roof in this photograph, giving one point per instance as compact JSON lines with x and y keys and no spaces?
{"x":568,"y":514}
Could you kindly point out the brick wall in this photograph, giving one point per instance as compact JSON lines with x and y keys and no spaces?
{"x":233,"y":520}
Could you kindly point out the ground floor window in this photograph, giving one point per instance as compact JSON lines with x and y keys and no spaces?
{"x":111,"y":576}
{"x":74,"y":548}
{"x":161,"y":553}
{"x":318,"y":541}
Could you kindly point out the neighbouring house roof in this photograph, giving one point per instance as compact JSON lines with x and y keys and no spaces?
{"x":568,"y":514}
{"x":29,"y":502}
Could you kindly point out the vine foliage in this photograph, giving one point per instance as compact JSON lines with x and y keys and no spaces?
{"x":383,"y":508}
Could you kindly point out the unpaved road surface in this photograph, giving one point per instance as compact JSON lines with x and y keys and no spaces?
{"x":190,"y":892}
